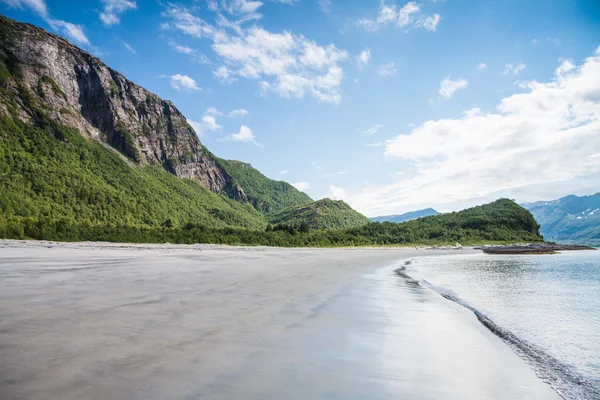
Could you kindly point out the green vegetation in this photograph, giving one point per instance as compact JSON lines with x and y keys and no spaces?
{"x":500,"y":221}
{"x":46,"y":80}
{"x":266,"y":195}
{"x":322,"y":214}
{"x":76,"y":182}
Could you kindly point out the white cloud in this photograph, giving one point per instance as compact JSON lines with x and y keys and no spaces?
{"x":430,"y":23}
{"x":128,"y":47}
{"x":210,"y":123}
{"x":182,"y":49}
{"x":224,"y":74}
{"x":325,"y":5}
{"x":407,"y":13}
{"x":72,"y":31}
{"x":301,"y":185}
{"x":181,"y":19}
{"x":510,"y":69}
{"x":197,"y":126}
{"x":336,"y":193}
{"x":241,"y":112}
{"x":183,"y":83}
{"x":364,"y":57}
{"x":481,"y":66}
{"x":213,"y":111}
{"x":38,"y":6}
{"x":372,"y":130}
{"x":294,"y":65}
{"x":238,"y":113}
{"x":283,"y":172}
{"x":546,"y":136}
{"x":387,"y":69}
{"x":245,"y":135}
{"x":386,"y":14}
{"x":449,"y":86}
{"x":405,"y":17}
{"x":112,"y":8}
{"x":338,"y":173}
{"x":284,"y":63}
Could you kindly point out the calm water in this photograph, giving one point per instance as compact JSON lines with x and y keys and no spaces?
{"x":546,"y":307}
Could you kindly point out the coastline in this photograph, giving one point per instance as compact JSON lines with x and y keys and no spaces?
{"x":129,"y":308}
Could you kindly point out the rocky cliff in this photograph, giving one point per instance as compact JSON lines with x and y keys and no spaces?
{"x":43,"y":75}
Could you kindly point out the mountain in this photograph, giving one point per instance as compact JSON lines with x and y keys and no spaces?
{"x":322,"y":214}
{"x":266,"y":195}
{"x":398,"y":218}
{"x":571,"y":219}
{"x":83,"y":145}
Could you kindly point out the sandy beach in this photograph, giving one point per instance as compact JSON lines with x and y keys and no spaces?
{"x":102,"y":321}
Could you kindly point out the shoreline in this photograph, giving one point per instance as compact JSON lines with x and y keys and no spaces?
{"x":111,"y":300}
{"x":34,"y":243}
{"x":547,"y":368}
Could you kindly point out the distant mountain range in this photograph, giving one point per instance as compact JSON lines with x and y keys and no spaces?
{"x":571,"y":219}
{"x":398,"y":218}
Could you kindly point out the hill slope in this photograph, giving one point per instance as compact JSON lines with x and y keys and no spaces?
{"x":502,"y":220}
{"x":399,"y":218}
{"x":266,"y":195}
{"x":45,"y":182}
{"x":571,"y":219}
{"x":322,"y":214}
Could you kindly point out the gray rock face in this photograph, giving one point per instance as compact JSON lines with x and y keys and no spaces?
{"x":78,"y":90}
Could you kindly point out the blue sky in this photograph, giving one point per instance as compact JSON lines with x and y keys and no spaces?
{"x":391,"y":106}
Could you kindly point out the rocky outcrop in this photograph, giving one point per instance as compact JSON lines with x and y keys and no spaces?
{"x":43,"y":71}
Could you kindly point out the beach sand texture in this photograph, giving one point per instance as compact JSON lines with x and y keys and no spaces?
{"x":99,"y":321}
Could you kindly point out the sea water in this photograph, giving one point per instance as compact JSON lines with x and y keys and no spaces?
{"x":546,"y":307}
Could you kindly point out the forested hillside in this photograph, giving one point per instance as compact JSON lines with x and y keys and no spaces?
{"x":322,"y":214}
{"x":266,"y":195}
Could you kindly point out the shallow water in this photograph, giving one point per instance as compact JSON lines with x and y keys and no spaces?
{"x":547,"y":307}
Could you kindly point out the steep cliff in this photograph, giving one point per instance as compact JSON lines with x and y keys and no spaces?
{"x":45,"y":75}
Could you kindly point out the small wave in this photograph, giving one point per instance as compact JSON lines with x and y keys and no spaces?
{"x":568,"y":384}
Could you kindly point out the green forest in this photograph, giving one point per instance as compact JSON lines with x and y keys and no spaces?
{"x":321,"y":214}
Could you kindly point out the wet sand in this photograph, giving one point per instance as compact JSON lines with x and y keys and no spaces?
{"x":97,"y":321}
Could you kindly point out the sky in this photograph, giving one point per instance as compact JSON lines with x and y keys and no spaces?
{"x":391,"y":106}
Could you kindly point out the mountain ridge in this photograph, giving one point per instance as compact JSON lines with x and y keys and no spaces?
{"x":570,"y":219}
{"x":399,"y":218}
